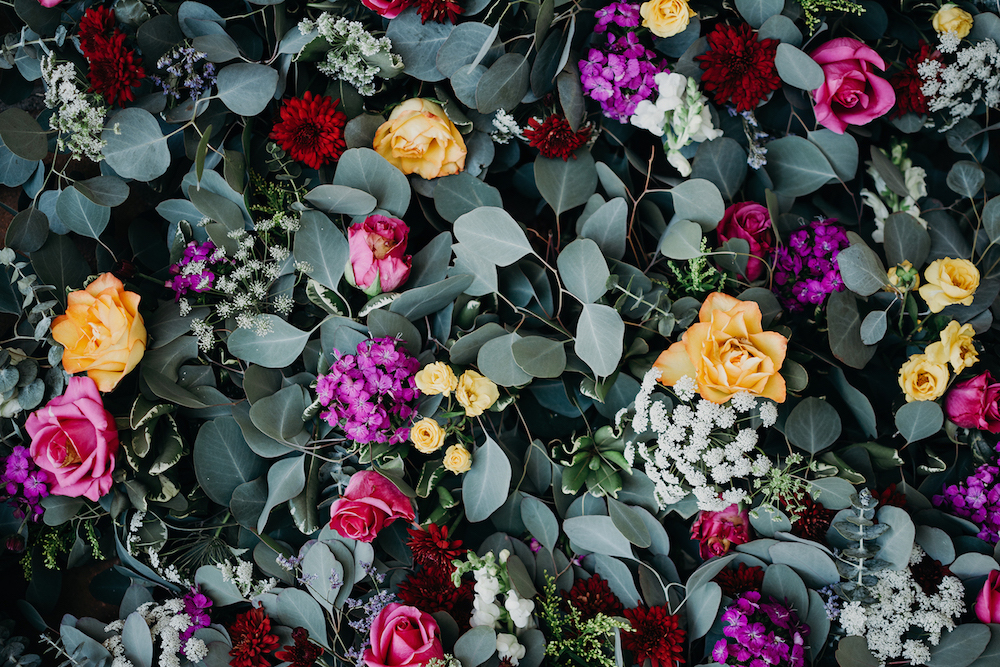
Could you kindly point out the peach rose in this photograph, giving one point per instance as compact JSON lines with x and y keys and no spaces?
{"x":102,"y":332}
{"x":726,"y":352}
{"x":420,"y":139}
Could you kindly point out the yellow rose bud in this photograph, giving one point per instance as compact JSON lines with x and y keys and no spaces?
{"x":955,"y":347}
{"x":904,"y":276}
{"x":922,"y":379}
{"x":436,"y":378}
{"x":949,"y":281}
{"x":952,"y":18}
{"x":427,"y":436}
{"x":476,"y":393}
{"x":457,"y":459}
{"x":420,"y":139}
{"x":666,"y":18}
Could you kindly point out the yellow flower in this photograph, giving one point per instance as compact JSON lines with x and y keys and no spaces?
{"x":420,"y":139}
{"x":427,"y":435}
{"x":904,"y":276}
{"x":436,"y":378}
{"x":476,"y":393}
{"x":922,"y":379}
{"x":955,"y":347}
{"x":949,"y":281}
{"x":727,"y":352}
{"x":952,"y":18}
{"x":666,"y":18}
{"x":457,"y":459}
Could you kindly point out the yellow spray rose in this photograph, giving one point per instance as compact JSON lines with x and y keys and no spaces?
{"x":436,"y":378}
{"x":476,"y":393}
{"x":427,"y":435}
{"x":949,"y":281}
{"x":419,"y":138}
{"x":952,"y":18}
{"x":457,"y":459}
{"x":666,"y":18}
{"x":954,"y":347}
{"x":922,"y":379}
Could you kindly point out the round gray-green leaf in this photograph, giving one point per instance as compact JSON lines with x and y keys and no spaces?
{"x":628,"y":520}
{"x":484,"y":489}
{"x":597,"y":534}
{"x":476,"y":646}
{"x":565,"y":184}
{"x":80,"y":214}
{"x":584,"y":270}
{"x":497,"y":362}
{"x":966,"y":178}
{"x":702,"y":607}
{"x":781,"y":581}
{"x":700,"y":201}
{"x":276,"y":349}
{"x":755,"y":12}
{"x":813,"y":425}
{"x":540,"y":521}
{"x":418,"y":43}
{"x":919,"y":420}
{"x":457,"y":195}
{"x":366,"y":170}
{"x":797,"y":69}
{"x":991,"y":218}
{"x":323,"y":247}
{"x":682,"y":240}
{"x":490,"y":232}
{"x":246,"y":88}
{"x":285,"y":480}
{"x":862,"y":270}
{"x":600,"y":335}
{"x":539,"y":357}
{"x":23,"y":135}
{"x":223,"y":460}
{"x":797,"y":166}
{"x":782,"y":29}
{"x":504,"y":84}
{"x":135,"y":148}
{"x":340,"y":199}
{"x":960,"y":647}
{"x":833,"y":493}
{"x":607,"y":227}
{"x":873,"y":327}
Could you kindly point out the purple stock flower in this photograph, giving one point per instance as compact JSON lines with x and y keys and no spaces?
{"x":192,"y":273}
{"x":196,"y":606}
{"x":805,"y":270}
{"x":619,"y":74}
{"x":976,"y":499}
{"x":622,"y":14}
{"x":761,"y":634}
{"x":23,"y":484}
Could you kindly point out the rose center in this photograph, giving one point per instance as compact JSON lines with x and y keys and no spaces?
{"x":380,"y":246}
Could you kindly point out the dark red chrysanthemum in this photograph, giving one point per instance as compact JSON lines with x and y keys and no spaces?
{"x":741,"y":579}
{"x":593,"y":596}
{"x":311,"y":130}
{"x":553,"y":137}
{"x":814,"y":520}
{"x":432,"y":590}
{"x":739,"y":68}
{"x":438,"y":10}
{"x":114,"y":69}
{"x":252,"y":639}
{"x":907,"y":83}
{"x":303,"y":653}
{"x":890,"y":497}
{"x":96,"y":25}
{"x":432,"y":548}
{"x":929,"y":573}
{"x":655,"y":635}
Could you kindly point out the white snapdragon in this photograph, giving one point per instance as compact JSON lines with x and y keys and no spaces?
{"x":484,"y":613}
{"x":883,"y":201}
{"x":355,"y":55}
{"x":487,"y":586}
{"x":509,"y":648}
{"x":520,"y":609}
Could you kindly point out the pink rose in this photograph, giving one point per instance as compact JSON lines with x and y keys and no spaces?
{"x":973,"y":403}
{"x":75,"y":440}
{"x":751,"y":222}
{"x":988,"y":602}
{"x":852,"y":94}
{"x":718,"y":531}
{"x":49,"y":3}
{"x":370,"y":503}
{"x":389,"y":9}
{"x":378,"y":262}
{"x":403,"y":636}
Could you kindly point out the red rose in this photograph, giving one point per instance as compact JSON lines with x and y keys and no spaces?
{"x":973,"y":403}
{"x":751,"y":222}
{"x":403,"y":636}
{"x":718,"y":531}
{"x":370,"y":503}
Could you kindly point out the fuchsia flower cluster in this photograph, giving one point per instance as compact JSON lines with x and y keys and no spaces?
{"x":371,"y":395}
{"x":976,"y":499}
{"x":767,"y":633}
{"x":805,"y":270}
{"x":196,"y":605}
{"x":619,"y":74}
{"x":192,"y":273}
{"x":622,"y":14}
{"x":24,"y":484}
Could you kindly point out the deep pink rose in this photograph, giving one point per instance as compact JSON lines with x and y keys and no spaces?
{"x":852,"y":93}
{"x":751,"y":222}
{"x":403,"y":636}
{"x":75,"y":440}
{"x":49,"y":3}
{"x":718,"y":531}
{"x":973,"y":403}
{"x":988,"y":602}
{"x":370,"y":503}
{"x":389,"y":9}
{"x":378,"y":262}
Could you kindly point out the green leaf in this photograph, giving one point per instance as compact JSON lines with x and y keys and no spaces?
{"x":136,"y":148}
{"x":797,"y":69}
{"x":414,"y":304}
{"x":340,"y":199}
{"x":540,"y":522}
{"x":755,"y":12}
{"x":906,"y":239}
{"x":960,"y":647}
{"x":218,"y":48}
{"x":972,"y":564}
{"x":700,"y":201}
{"x":819,"y":624}
{"x":797,"y":166}
{"x":873,"y":327}
{"x":702,"y":607}
{"x":27,"y":231}
{"x":539,"y":357}
{"x":862,"y":270}
{"x":81,"y":215}
{"x":782,"y":582}
{"x":296,"y":608}
{"x":491,"y":233}
{"x":366,"y":170}
{"x":476,"y":646}
{"x":461,"y":193}
{"x":463,"y":45}
{"x":137,"y":640}
{"x":897,"y":542}
{"x":276,"y":349}
{"x":466,"y":349}
{"x":59,"y":263}
{"x":813,"y":425}
{"x":840,"y":149}
{"x":14,"y":170}
{"x":279,"y":415}
{"x":104,"y":190}
{"x":482,"y":269}
{"x":583,"y":270}
{"x":991,"y":655}
{"x":565,"y":184}
{"x":833,"y":493}
{"x":319,"y":565}
{"x":991,"y":219}
{"x":629,"y":522}
{"x":845,"y":330}
{"x":497,"y":362}
{"x":619,"y":578}
{"x":23,"y":135}
{"x":597,"y":534}
{"x":246,"y":88}
{"x":223,"y":460}
{"x":485,"y":486}
{"x":966,"y":178}
{"x":889,"y":172}
{"x":385,"y":324}
{"x":285,"y":480}
{"x":418,"y":43}
{"x":201,"y":152}
{"x":504,"y":84}
{"x":216,"y":207}
{"x":682,"y":240}
{"x":248,"y":502}
{"x":815,"y":567}
{"x":722,"y":162}
{"x":322,"y":245}
{"x":607,"y":227}
{"x":919,"y":420}
{"x":600,"y":334}
{"x":853,"y":652}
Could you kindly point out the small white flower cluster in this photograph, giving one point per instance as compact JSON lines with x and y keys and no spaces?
{"x":884,"y":201}
{"x":355,"y":56}
{"x":681,"y":115}
{"x":493,"y":589}
{"x":78,"y":117}
{"x":242,"y":577}
{"x":959,"y":87}
{"x":506,"y":127}
{"x":698,"y":447}
{"x":170,"y":572}
{"x":166,"y":621}
{"x":900,"y":607}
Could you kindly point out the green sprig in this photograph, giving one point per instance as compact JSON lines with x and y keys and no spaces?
{"x":810,"y":9}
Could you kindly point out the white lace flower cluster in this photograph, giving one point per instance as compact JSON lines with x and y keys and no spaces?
{"x":883,"y":201}
{"x":166,"y":622}
{"x":242,"y":577}
{"x":78,"y":117}
{"x":900,"y":607}
{"x":698,"y":447}
{"x":959,"y":87}
{"x":355,"y":56}
{"x":506,"y":127}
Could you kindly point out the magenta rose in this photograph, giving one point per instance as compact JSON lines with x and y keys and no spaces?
{"x":852,"y":93}
{"x":49,"y":3}
{"x":988,"y":602}
{"x":74,"y":439}
{"x":378,"y":261}
{"x":370,"y":503}
{"x":718,"y":531}
{"x":403,"y":636}
{"x":751,"y":222}
{"x":973,"y":403}
{"x":389,"y":9}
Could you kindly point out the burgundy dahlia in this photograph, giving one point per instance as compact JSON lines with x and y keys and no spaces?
{"x":554,"y":138}
{"x":739,"y":67}
{"x":656,"y":635}
{"x":311,"y":130}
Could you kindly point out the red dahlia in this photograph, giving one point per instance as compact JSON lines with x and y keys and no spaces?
{"x":929,"y":573}
{"x":433,"y":590}
{"x":114,"y":69}
{"x":655,"y":635}
{"x":907,"y":83}
{"x":593,"y":596}
{"x":311,"y":130}
{"x":303,"y":653}
{"x":95,"y":25}
{"x":741,"y":579}
{"x":432,"y":548}
{"x":739,"y":68}
{"x":438,"y":10}
{"x":553,"y":137}
{"x":252,"y":638}
{"x":814,"y":520}
{"x":890,"y":497}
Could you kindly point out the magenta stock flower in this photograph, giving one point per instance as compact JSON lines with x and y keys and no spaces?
{"x":751,"y":222}
{"x":49,"y":3}
{"x":378,"y":260}
{"x":852,"y":93}
{"x":973,"y":403}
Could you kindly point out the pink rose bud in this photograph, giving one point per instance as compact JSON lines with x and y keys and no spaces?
{"x":403,"y":636}
{"x":751,"y":222}
{"x":718,"y":531}
{"x":378,"y":262}
{"x":370,"y":503}
{"x":988,"y":602}
{"x":852,"y":93}
{"x":973,"y":403}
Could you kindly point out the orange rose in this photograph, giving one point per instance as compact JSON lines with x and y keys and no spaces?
{"x":420,"y":139}
{"x":102,"y":332}
{"x":727,"y":352}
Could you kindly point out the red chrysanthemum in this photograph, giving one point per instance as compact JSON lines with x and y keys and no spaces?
{"x":739,"y":68}
{"x":303,"y":653}
{"x":432,"y":590}
{"x":890,"y":497}
{"x":907,"y":83}
{"x":553,"y":137}
{"x":311,"y":130}
{"x":929,"y":573}
{"x":438,"y":10}
{"x":114,"y":69}
{"x":814,"y":520}
{"x":593,"y":596}
{"x":95,"y":26}
{"x":432,"y":548}
{"x":655,"y":635}
{"x":741,"y":579}
{"x":252,"y":639}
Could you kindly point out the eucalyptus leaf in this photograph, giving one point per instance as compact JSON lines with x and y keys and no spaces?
{"x":285,"y":480}
{"x":583,"y":270}
{"x":485,"y":486}
{"x":813,"y":425}
{"x":600,"y":334}
{"x":919,"y":420}
{"x":565,"y":184}
{"x":797,"y":69}
{"x":491,"y":232}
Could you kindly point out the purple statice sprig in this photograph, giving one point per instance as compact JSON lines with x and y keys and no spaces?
{"x":621,"y":14}
{"x":976,"y":499}
{"x":23,"y":484}
{"x":196,"y":605}
{"x":367,"y":611}
{"x":619,"y":73}
{"x":184,"y":70}
{"x":757,"y":633}
{"x":371,"y":395}
{"x":805,"y":270}
{"x":193,"y":273}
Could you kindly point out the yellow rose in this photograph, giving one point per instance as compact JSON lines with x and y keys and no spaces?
{"x":476,"y":393}
{"x":952,"y":18}
{"x":727,"y":352}
{"x":922,"y":379}
{"x":419,"y":139}
{"x":102,"y":332}
{"x":666,"y":18}
{"x":436,"y":378}
{"x":955,"y":347}
{"x":903,"y":276}
{"x":949,"y":281}
{"x":457,"y":459}
{"x":427,"y":436}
